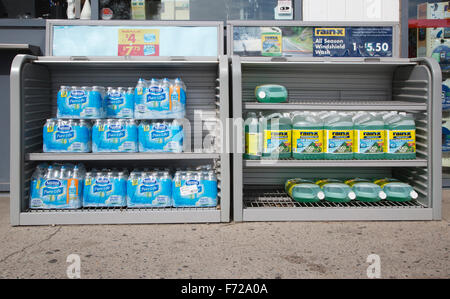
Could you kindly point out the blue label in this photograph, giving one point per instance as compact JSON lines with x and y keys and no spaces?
{"x":163,"y":134}
{"x":77,"y":101}
{"x":101,"y":188}
{"x":52,"y":191}
{"x":192,"y":182}
{"x":156,"y":94}
{"x":115,"y":134}
{"x":150,"y":188}
{"x":116,"y":101}
{"x":352,"y":41}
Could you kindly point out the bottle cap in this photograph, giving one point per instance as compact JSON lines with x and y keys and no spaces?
{"x":352,"y":195}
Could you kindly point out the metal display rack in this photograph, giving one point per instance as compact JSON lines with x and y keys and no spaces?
{"x":345,"y":84}
{"x":35,"y":82}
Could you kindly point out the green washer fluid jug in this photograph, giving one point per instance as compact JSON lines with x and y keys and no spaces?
{"x":369,"y":137}
{"x":396,"y":190}
{"x":271,"y":93}
{"x":307,"y":137}
{"x":400,"y":137}
{"x":277,"y":137}
{"x":336,"y":191}
{"x":302,"y":190}
{"x":366,"y":191}
{"x":338,"y":137}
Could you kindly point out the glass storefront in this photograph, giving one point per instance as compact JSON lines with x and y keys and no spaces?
{"x":194,"y":10}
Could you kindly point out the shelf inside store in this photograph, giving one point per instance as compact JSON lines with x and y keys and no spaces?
{"x":117,"y":156}
{"x":343,"y":105}
{"x":335,"y":163}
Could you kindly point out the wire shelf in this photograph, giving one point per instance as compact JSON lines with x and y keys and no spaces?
{"x":278,"y":198}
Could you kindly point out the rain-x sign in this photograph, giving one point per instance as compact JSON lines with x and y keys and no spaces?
{"x":352,"y":41}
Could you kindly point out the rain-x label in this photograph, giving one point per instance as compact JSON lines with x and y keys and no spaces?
{"x":369,"y":141}
{"x":339,"y":141}
{"x":307,"y":141}
{"x":401,"y":141}
{"x":277,"y":141}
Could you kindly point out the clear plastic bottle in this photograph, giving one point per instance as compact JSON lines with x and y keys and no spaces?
{"x":253,"y":137}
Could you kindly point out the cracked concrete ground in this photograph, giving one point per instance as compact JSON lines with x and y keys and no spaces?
{"x":232,"y":250}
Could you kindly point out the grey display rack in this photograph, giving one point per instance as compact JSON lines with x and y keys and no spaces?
{"x":345,"y":84}
{"x":34,"y":85}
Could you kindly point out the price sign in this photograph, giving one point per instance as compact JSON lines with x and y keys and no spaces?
{"x":138,"y":42}
{"x":352,"y":41}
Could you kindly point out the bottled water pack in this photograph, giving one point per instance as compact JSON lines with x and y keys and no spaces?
{"x":57,"y":186}
{"x":114,"y":135}
{"x":194,"y":189}
{"x":119,"y":102}
{"x":106,"y":188}
{"x":160,"y":136}
{"x":81,"y":102}
{"x":67,"y":136}
{"x":160,"y":99}
{"x":149,"y":189}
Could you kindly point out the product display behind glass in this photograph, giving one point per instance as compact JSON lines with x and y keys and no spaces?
{"x":194,"y":10}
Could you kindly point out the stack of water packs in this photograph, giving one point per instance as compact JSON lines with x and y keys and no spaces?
{"x":102,"y":119}
{"x":68,"y":186}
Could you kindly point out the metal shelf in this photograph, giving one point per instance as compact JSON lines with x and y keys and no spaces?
{"x":120,"y":216}
{"x":276,"y":205}
{"x":335,"y":163}
{"x":411,"y":85}
{"x":117,"y":156}
{"x":338,"y":105}
{"x":35,"y":80}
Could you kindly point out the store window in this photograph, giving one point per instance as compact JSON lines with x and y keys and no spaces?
{"x":429,"y":36}
{"x":196,"y":10}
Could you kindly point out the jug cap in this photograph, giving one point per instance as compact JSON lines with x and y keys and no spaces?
{"x":352,"y":195}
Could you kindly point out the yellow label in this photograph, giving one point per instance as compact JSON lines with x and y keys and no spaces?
{"x":146,"y":128}
{"x":278,"y":141}
{"x":383,"y":182}
{"x":400,"y":141}
{"x":307,"y":141}
{"x":138,"y":36}
{"x":64,"y":93}
{"x":338,"y":141}
{"x":271,"y":44}
{"x":252,"y":143}
{"x":134,"y":182}
{"x":329,"y":31}
{"x":369,"y":141}
{"x":50,"y":129}
{"x":88,"y":182}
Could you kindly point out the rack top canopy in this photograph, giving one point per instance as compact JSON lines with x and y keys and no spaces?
{"x":134,"y":38}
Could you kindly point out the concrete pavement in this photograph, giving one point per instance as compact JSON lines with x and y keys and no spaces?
{"x":232,"y":250}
